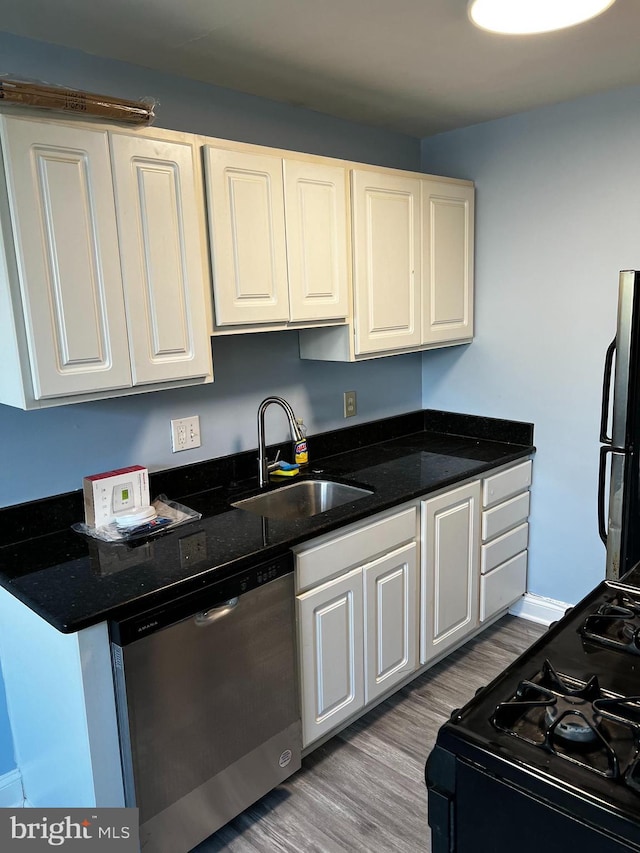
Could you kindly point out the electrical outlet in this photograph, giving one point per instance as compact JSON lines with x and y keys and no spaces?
{"x":185,"y":433}
{"x":349,"y":404}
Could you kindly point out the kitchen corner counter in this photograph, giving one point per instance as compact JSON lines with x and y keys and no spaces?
{"x":73,"y":581}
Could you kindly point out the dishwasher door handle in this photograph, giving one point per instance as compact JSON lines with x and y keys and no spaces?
{"x":208,"y":617}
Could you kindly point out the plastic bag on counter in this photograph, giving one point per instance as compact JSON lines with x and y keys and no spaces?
{"x":36,"y":93}
{"x":170,"y":514}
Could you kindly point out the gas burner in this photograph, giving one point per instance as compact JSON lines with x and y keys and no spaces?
{"x":576,"y":721}
{"x":573,"y":719}
{"x":615,"y":624}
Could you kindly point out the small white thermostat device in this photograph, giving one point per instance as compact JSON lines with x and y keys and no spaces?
{"x":113,"y":492}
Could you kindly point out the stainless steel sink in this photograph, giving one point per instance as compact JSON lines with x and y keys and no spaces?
{"x":302,"y":499}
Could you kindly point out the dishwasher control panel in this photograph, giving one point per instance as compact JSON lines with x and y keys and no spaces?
{"x":134,"y":628}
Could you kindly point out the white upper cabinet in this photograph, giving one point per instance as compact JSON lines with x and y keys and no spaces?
{"x":447,"y":217}
{"x":102,"y":280}
{"x":246,"y":226}
{"x":278,"y":234}
{"x":162,"y":258}
{"x":386,"y":261}
{"x":412,"y":268}
{"x":63,"y":219}
{"x":316,"y":220}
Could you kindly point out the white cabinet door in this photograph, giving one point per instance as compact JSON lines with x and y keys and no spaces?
{"x":447,"y":214}
{"x":331,"y":654}
{"x":247,"y":235}
{"x":450,"y":568}
{"x":386,"y":256}
{"x":391,"y":618}
{"x":162,"y":258}
{"x":63,"y":218}
{"x":316,"y":224}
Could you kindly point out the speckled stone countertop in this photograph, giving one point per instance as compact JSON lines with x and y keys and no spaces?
{"x":73,"y":581}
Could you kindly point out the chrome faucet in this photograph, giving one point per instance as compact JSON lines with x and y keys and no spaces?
{"x":264,"y":466}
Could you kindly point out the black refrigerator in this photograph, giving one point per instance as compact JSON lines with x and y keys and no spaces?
{"x":618,"y":502}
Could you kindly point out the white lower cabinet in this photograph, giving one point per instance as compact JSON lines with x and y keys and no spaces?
{"x":505,"y":537}
{"x":390,"y":620}
{"x":381,"y":600}
{"x":357,"y":630}
{"x":502,"y":586}
{"x":449,"y":576}
{"x":331,"y":654}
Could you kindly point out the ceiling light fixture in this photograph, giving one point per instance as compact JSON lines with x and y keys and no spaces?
{"x":520,"y":17}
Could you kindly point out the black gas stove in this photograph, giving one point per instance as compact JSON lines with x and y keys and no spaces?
{"x":547,"y":756}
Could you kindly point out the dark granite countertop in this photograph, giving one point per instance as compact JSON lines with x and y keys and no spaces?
{"x":73,"y":581}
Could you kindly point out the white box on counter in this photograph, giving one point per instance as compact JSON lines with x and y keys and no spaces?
{"x":113,"y":492}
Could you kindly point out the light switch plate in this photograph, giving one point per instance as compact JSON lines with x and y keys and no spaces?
{"x":185,"y":433}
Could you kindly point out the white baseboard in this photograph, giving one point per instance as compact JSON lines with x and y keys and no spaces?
{"x":11,"y":796}
{"x":535,"y":608}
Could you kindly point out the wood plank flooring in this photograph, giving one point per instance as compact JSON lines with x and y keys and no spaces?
{"x":364,"y":789}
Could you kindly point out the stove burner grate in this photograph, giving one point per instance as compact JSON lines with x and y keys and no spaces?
{"x":616,"y":624}
{"x":576,"y":721}
{"x":573,"y":719}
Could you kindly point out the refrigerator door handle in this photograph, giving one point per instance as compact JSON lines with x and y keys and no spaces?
{"x":606,"y":395}
{"x":602,"y":477}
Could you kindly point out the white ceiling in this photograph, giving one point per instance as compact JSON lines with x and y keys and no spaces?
{"x":415,"y":66}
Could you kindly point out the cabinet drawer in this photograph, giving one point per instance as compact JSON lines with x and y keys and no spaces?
{"x":504,"y":547}
{"x":327,"y":559}
{"x":504,"y":516}
{"x":505,"y":484}
{"x":504,"y":585}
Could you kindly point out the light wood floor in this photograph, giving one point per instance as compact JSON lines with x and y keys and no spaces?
{"x":364,"y":789}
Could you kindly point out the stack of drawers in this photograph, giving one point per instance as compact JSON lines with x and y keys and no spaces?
{"x":505,"y":535}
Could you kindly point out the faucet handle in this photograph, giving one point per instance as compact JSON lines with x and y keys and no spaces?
{"x":274,"y":464}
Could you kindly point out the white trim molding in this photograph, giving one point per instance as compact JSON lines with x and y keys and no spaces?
{"x":535,"y":608}
{"x":11,"y":794}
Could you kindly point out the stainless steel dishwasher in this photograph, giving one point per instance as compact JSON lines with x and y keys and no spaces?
{"x":208,"y":704}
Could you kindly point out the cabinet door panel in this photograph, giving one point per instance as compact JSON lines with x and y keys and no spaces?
{"x":63,"y":216}
{"x":247,"y":233}
{"x":316,"y":216}
{"x":387,"y":272}
{"x":330,"y":625}
{"x":447,"y":211}
{"x":450,"y":569}
{"x":162,"y":258}
{"x":391,"y":617}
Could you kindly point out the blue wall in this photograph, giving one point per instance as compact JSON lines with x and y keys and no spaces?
{"x":51,"y":450}
{"x":558,"y":215}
